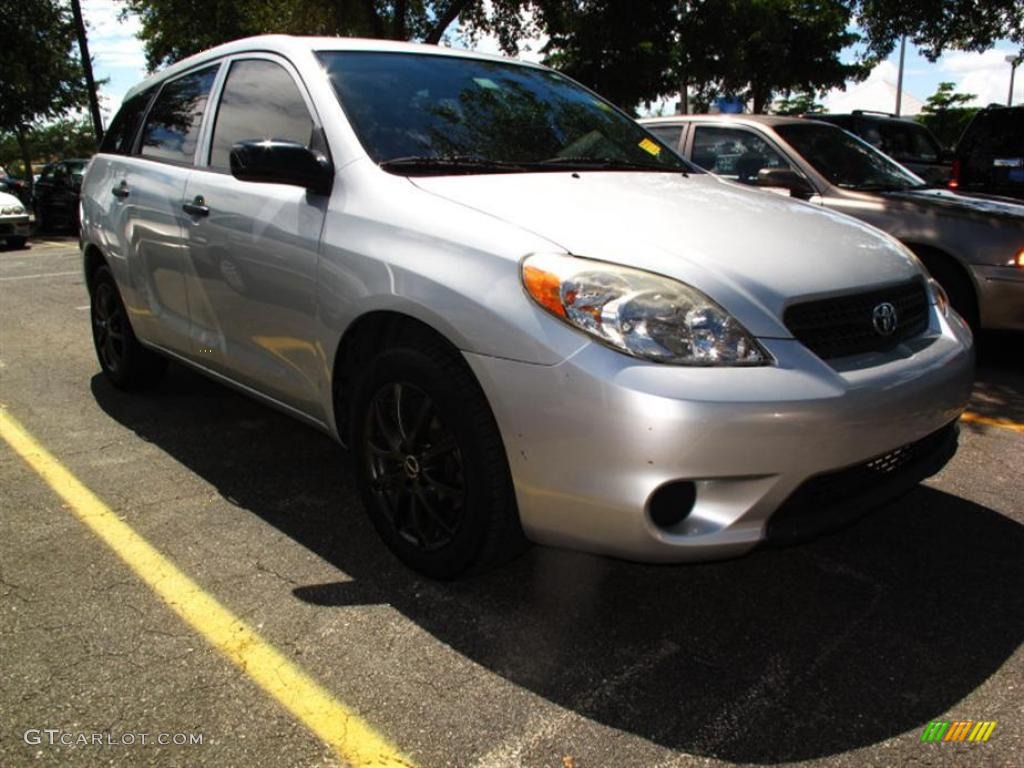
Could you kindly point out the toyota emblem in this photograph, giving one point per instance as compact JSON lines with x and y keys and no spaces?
{"x":883,"y":317}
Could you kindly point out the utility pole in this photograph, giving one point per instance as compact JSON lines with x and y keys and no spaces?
{"x":1013,"y":61}
{"x":90,"y":81}
{"x":899,"y":79}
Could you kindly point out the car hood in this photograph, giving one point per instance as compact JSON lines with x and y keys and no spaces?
{"x":957,"y":204}
{"x":753,"y":252}
{"x":8,"y":199}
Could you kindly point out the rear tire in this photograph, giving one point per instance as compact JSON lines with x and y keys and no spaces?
{"x":125,"y":362}
{"x":430,"y":462}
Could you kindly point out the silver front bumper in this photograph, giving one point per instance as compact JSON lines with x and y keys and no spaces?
{"x":590,"y":439}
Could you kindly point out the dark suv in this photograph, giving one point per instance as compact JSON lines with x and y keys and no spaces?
{"x":56,"y":195}
{"x":989,"y":157}
{"x":908,"y":143}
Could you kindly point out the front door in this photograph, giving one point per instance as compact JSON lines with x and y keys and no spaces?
{"x":253,"y":247}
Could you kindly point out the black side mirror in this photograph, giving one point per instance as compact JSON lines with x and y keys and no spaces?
{"x":785,"y":178}
{"x":282,"y":162}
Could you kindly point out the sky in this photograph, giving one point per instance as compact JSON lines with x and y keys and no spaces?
{"x":117,"y":55}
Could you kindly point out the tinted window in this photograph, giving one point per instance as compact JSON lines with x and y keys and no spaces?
{"x":734,"y":153}
{"x":491,"y":116}
{"x":996,"y":131}
{"x":172,"y":128}
{"x":120,"y":136}
{"x":845,"y":160}
{"x":907,"y":142}
{"x":260,"y":101}
{"x":667,"y":133}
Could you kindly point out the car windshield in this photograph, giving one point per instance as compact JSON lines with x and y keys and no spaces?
{"x":428,"y":114}
{"x":845,"y":160}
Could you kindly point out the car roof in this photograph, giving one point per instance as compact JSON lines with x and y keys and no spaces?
{"x":769,"y":120}
{"x":290,"y":45}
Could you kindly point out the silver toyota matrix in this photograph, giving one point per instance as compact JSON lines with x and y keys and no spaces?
{"x":527,"y":317}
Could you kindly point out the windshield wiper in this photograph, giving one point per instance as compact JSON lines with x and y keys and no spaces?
{"x":595,"y":164}
{"x":454,"y":163}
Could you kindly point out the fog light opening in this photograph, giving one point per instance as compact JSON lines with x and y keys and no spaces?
{"x":669,"y":505}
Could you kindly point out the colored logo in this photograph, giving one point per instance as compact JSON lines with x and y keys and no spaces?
{"x":883,"y":317}
{"x":959,"y":730}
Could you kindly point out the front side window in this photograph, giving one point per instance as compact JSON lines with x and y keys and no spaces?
{"x":260,"y":100}
{"x":171,"y":132}
{"x":120,"y":136}
{"x":421,"y":113}
{"x":734,"y":153}
{"x":845,"y":160}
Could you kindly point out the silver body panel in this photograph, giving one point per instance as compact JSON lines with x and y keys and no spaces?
{"x":271,"y":280}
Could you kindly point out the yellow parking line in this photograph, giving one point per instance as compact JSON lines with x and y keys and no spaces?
{"x":990,"y":421}
{"x":350,"y":736}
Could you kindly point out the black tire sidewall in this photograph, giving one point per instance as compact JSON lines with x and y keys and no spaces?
{"x":139,"y":366}
{"x":482,"y":483}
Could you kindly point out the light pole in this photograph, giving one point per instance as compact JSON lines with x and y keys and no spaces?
{"x":1013,"y":61}
{"x":899,"y":80}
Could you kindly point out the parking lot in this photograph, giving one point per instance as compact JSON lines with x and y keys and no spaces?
{"x":838,"y":652}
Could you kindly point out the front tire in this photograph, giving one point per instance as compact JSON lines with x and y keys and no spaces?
{"x":430,"y":462}
{"x":125,"y":362}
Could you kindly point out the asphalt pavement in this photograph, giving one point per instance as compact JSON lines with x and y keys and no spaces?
{"x":839,"y":652}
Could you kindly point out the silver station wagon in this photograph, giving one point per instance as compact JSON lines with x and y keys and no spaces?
{"x":526,"y":317}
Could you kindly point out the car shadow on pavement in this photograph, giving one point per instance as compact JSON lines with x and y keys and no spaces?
{"x":999,"y":385}
{"x":778,"y":656}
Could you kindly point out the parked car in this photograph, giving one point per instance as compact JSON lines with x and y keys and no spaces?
{"x":989,"y":157}
{"x":525,"y":315}
{"x":56,"y":195}
{"x":12,"y":185}
{"x":974,"y":247}
{"x":910,"y":144}
{"x":14,"y":221}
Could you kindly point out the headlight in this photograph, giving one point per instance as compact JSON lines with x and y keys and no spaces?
{"x":639,"y":313}
{"x":13,"y":210}
{"x":939,"y":297}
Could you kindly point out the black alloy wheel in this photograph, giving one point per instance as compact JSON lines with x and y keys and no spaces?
{"x":415,"y":466}
{"x":125,"y":362}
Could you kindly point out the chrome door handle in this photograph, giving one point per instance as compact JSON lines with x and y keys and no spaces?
{"x":197,"y":207}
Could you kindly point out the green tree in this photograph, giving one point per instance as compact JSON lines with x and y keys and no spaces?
{"x":40,"y":75}
{"x":946,"y":114}
{"x":753,"y":49}
{"x":174,"y":29}
{"x":802,"y":103}
{"x":935,"y":27}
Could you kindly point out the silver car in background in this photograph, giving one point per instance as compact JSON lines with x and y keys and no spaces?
{"x":527,"y":318}
{"x":973,"y":246}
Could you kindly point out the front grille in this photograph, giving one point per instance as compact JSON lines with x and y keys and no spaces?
{"x":844,"y":325}
{"x":837,"y":498}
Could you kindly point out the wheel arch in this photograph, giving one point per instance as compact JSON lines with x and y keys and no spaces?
{"x":941,"y":262}
{"x":367,"y":334}
{"x":92,"y":259}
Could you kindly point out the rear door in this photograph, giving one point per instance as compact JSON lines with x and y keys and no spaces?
{"x":152,"y":193}
{"x":253,"y":247}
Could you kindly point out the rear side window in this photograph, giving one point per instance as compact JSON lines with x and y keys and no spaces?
{"x":120,"y":136}
{"x":996,"y":132}
{"x":669,"y":134}
{"x":171,"y":132}
{"x":260,"y":100}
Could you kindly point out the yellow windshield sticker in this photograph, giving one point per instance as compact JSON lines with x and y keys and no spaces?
{"x":649,"y":146}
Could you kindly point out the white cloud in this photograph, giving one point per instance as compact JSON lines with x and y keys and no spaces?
{"x":986,"y":75}
{"x":116,"y":51}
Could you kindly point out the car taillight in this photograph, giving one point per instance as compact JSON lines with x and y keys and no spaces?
{"x":954,"y":176}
